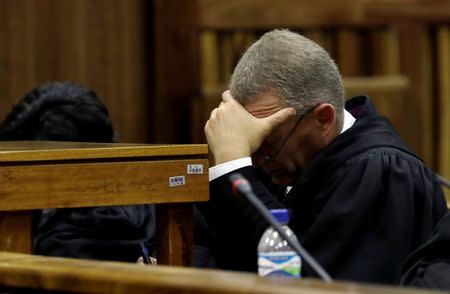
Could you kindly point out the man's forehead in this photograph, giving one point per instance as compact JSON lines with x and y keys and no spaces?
{"x":263,"y":105}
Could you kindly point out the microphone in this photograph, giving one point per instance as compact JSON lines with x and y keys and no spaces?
{"x":241,"y":185}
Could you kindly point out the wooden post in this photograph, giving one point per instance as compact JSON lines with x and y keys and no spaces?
{"x":16,"y":231}
{"x":174,"y":224}
{"x":175,"y":68}
{"x":349,"y":52}
{"x":443,"y":80}
{"x":416,"y":63}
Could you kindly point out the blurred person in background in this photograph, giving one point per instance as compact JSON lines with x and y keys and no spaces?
{"x":62,"y":111}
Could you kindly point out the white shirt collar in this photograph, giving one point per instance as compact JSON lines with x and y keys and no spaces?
{"x":349,"y":120}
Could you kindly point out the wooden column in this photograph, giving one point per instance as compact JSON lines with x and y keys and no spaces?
{"x":417,"y":64}
{"x":443,"y":80}
{"x":101,"y":44}
{"x":175,"y":68}
{"x":174,"y":234}
{"x":349,"y":52}
{"x":16,"y":231}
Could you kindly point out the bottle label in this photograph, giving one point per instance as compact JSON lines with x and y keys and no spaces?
{"x":283,"y":263}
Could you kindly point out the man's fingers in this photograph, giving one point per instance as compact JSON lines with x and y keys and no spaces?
{"x":279,"y":117}
{"x":213,"y":113}
{"x":226,"y":96}
{"x":229,"y":102}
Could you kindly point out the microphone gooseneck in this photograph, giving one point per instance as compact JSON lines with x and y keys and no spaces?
{"x":241,"y":185}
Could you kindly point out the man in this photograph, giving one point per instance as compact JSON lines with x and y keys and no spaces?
{"x":360,"y":200}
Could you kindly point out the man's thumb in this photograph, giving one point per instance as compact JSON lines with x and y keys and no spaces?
{"x":276,"y":119}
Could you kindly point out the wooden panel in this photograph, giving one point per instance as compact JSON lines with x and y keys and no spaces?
{"x":417,"y":64}
{"x":3,"y":53}
{"x":240,"y":41}
{"x":443,"y":57}
{"x":219,"y":53}
{"x":209,"y":59}
{"x":99,"y":184}
{"x":386,"y":51}
{"x":228,"y":58}
{"x":176,"y":74}
{"x":385,"y":61}
{"x":18,"y":51}
{"x":197,"y":120}
{"x":411,"y":10}
{"x":47,"y":40}
{"x":349,"y":55}
{"x":84,"y":276}
{"x":16,"y":231}
{"x":371,"y":85}
{"x":322,"y":37}
{"x":389,"y":85}
{"x":251,"y":14}
{"x":174,"y":234}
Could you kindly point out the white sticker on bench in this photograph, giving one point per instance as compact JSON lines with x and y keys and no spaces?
{"x":195,"y":169}
{"x":177,"y":181}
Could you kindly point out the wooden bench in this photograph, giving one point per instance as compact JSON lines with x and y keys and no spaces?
{"x":21,"y":272}
{"x":38,"y":175}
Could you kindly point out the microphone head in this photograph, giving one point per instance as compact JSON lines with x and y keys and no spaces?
{"x":235,"y":176}
{"x":239,"y":184}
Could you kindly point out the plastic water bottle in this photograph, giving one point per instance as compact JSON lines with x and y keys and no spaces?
{"x":275,"y":256}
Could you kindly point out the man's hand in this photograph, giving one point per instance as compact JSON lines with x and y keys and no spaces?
{"x":234,"y":133}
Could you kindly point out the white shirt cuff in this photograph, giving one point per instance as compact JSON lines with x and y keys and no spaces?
{"x":226,"y":167}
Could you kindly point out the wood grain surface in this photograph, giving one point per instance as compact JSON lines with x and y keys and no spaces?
{"x":83,"y":276}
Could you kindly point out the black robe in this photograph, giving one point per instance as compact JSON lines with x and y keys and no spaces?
{"x":429,"y":265}
{"x":359,"y":207}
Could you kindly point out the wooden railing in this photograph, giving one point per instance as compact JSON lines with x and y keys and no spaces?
{"x":22,"y":272}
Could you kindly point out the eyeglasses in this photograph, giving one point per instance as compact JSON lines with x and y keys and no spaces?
{"x":268,"y":158}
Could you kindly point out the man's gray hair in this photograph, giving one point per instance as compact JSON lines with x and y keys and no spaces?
{"x":293,"y":68}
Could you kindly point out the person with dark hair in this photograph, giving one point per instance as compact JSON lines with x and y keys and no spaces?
{"x":62,"y":111}
{"x":59,"y":112}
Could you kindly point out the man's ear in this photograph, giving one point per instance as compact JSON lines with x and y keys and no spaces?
{"x":325,"y":116}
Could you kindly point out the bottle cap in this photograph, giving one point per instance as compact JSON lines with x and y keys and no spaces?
{"x":281,"y":215}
